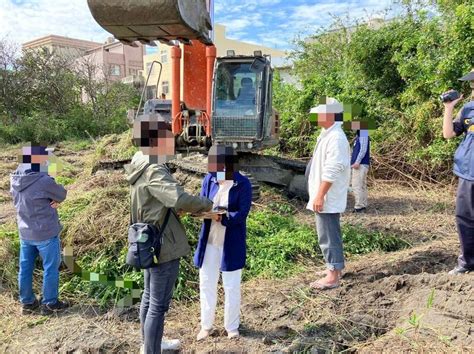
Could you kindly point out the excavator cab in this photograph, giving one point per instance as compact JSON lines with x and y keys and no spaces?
{"x":149,"y":20}
{"x":242,"y":113}
{"x":228,"y":102}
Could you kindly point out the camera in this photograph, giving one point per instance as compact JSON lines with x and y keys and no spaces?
{"x":449,"y":96}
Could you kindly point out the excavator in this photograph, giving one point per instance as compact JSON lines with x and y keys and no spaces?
{"x":225,"y":100}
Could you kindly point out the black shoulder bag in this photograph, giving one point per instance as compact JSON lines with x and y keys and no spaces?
{"x":144,"y":243}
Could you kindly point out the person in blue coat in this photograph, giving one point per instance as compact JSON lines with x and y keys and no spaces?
{"x":464,"y":169}
{"x":222,"y":240}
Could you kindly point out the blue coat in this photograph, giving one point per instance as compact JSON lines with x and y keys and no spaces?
{"x":464,"y":155}
{"x":240,"y":201}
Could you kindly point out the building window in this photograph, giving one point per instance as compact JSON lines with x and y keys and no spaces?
{"x":115,"y":70}
{"x":165,"y":87}
{"x":164,"y":56}
{"x":132,"y":71}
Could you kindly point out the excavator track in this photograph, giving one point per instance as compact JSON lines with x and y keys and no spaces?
{"x":273,"y":170}
{"x":197,"y":164}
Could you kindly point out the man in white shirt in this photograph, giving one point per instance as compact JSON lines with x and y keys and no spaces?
{"x":328,"y":182}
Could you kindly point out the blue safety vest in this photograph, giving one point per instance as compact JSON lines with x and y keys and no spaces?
{"x":464,"y":155}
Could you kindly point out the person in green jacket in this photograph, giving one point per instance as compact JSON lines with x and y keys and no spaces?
{"x":153,"y":191}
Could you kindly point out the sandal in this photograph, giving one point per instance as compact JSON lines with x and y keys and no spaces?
{"x":317,"y":285}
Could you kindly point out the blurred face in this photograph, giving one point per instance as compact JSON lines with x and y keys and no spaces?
{"x":326,"y":120}
{"x":222,"y":160}
{"x":155,"y":140}
{"x":39,"y":159}
{"x":355,"y":125}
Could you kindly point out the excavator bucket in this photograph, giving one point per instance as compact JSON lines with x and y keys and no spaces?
{"x":150,"y":20}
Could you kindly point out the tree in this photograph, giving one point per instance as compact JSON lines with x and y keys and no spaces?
{"x":14,"y":97}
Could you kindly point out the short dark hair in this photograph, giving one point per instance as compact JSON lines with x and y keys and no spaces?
{"x":150,"y":131}
{"x":224,"y":154}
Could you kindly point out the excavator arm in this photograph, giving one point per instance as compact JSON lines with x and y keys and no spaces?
{"x":150,"y":20}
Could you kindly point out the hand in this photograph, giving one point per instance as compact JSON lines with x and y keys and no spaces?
{"x":452,"y":103}
{"x":54,"y":204}
{"x":356,"y":166}
{"x":318,"y":204}
{"x":217,"y":217}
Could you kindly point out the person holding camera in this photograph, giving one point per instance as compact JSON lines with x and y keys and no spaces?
{"x":464,"y":169}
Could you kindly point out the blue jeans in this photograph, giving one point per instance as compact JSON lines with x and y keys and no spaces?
{"x":159,"y":284}
{"x":50,"y":253}
{"x":329,"y":232}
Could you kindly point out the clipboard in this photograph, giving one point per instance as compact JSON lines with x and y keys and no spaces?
{"x":210,"y":214}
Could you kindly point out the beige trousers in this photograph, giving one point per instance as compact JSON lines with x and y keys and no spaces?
{"x":359,"y":186}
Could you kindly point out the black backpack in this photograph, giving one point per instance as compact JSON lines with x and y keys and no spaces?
{"x":144,"y":243}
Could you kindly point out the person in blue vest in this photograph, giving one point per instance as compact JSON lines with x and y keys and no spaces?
{"x":360,"y":162}
{"x":222,"y":241}
{"x":464,"y":169}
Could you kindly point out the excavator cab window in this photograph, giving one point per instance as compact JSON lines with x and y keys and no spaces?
{"x":236,"y":90}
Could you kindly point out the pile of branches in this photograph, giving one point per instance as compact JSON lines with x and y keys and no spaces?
{"x":391,"y":162}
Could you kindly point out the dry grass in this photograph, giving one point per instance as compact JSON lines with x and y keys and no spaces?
{"x":98,"y":218}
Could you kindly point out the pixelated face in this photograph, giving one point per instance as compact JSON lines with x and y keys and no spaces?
{"x":355,"y":125}
{"x":155,"y":139}
{"x":364,"y":126}
{"x":39,"y":159}
{"x":326,"y":113}
{"x":222,"y":160}
{"x":326,"y":119}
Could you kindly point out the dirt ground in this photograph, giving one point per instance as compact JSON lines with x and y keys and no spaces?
{"x":388,"y":302}
{"x":371,"y":312}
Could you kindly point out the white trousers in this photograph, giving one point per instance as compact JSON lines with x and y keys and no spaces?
{"x":359,"y":186}
{"x":208,"y":279}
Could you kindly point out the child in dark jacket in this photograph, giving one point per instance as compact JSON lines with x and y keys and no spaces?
{"x":36,"y":196}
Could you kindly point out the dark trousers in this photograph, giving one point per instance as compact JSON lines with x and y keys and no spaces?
{"x":465,"y":222}
{"x":159,"y":284}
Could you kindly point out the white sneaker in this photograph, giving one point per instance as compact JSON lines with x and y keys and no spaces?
{"x":170,"y":344}
{"x":233,"y":334}
{"x":203,"y":334}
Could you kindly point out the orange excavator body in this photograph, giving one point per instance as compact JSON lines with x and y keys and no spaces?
{"x":246,"y":124}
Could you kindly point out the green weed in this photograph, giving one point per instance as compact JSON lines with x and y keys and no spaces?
{"x":356,"y":240}
{"x":65,"y":181}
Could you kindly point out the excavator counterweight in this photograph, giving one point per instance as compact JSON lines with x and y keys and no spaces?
{"x":150,"y":20}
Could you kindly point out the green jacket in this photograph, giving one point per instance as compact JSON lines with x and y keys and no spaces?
{"x":153,"y":189}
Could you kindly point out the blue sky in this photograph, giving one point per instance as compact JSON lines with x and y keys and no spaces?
{"x":273,"y":23}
